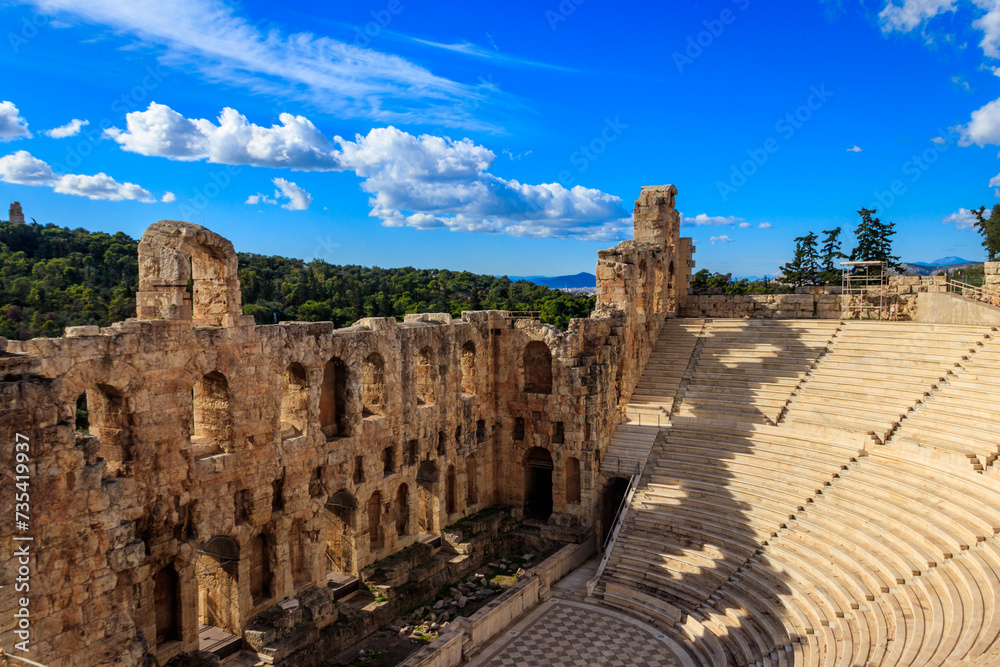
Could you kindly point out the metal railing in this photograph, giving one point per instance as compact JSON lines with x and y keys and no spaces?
{"x":985,"y":294}
{"x":618,"y":521}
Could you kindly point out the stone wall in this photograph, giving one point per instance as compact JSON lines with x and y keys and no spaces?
{"x":230,"y":466}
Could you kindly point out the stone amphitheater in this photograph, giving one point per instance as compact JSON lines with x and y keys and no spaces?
{"x":795,"y":487}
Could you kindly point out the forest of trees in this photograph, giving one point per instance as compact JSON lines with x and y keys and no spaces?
{"x":52,"y":277}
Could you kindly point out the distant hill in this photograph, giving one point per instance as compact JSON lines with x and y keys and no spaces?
{"x":577,"y":281}
{"x":943,"y":265}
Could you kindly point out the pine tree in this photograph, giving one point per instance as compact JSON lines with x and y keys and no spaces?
{"x":804,"y":267}
{"x":990,"y":229}
{"x":874,"y":240}
{"x":831,"y":253}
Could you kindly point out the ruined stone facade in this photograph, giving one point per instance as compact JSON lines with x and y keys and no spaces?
{"x":230,"y":466}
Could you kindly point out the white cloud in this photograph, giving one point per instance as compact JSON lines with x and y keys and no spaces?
{"x":744,"y":225}
{"x":421,"y":181}
{"x":168,"y":197}
{"x":764,"y":225}
{"x":854,"y":149}
{"x":350,"y":80}
{"x":940,"y":141}
{"x":994,"y":182}
{"x":70,"y":129}
{"x":960,"y":82}
{"x":12,"y":126}
{"x":720,"y":239}
{"x":911,"y":13}
{"x":25,"y":169}
{"x":703,"y":219}
{"x":984,"y":128}
{"x":298,"y":199}
{"x":963,"y":219}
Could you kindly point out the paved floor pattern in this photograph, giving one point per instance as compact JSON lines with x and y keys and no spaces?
{"x":568,"y":634}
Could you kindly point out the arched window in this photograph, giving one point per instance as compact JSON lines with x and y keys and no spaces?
{"x":294,"y":401}
{"x":468,"y":362}
{"x":572,"y":480}
{"x":333,"y":399}
{"x":537,"y":368}
{"x":104,"y":416}
{"x":260,"y":570}
{"x":426,"y":376}
{"x":373,"y":385}
{"x":211,"y":414}
{"x":166,"y":601}
{"x":340,"y":531}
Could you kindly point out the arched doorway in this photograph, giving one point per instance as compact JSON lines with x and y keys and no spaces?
{"x":427,"y":500}
{"x":218,"y":593}
{"x":611,"y":500}
{"x":166,"y":597}
{"x":341,"y":520}
{"x":537,"y":483}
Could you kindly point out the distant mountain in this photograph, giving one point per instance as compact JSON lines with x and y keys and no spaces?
{"x":944,"y":261}
{"x":580,"y":280}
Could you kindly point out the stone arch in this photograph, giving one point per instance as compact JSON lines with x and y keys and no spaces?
{"x":428,"y":503}
{"x":261,"y":576}
{"x":171,"y":253}
{"x":450,"y":491}
{"x":211,"y":415}
{"x":166,"y":604}
{"x":402,"y":510}
{"x":426,"y":376}
{"x":373,"y":385}
{"x":103,"y":412}
{"x":468,"y":365}
{"x":294,"y":400}
{"x":218,"y":590}
{"x":374,"y":514}
{"x":538,"y":467}
{"x":471,"y":481}
{"x":537,"y":368}
{"x":572,"y":480}
{"x":333,"y":399}
{"x":298,"y":555}
{"x":341,"y":527}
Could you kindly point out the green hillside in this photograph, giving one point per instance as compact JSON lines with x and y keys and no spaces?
{"x":53,"y":277}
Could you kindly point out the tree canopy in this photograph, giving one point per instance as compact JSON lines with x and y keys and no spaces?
{"x":52,"y":277}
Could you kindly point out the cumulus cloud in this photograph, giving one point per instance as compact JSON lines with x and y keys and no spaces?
{"x":213,"y":38}
{"x":764,"y":225}
{"x":963,"y":219}
{"x":295,"y":198}
{"x":744,"y":225}
{"x":168,"y":197}
{"x":422,"y":181}
{"x":984,"y":128}
{"x":25,"y":169}
{"x":70,"y":129}
{"x":703,"y":219}
{"x":911,"y":13}
{"x":12,"y":125}
{"x":940,"y":141}
{"x":720,"y":239}
{"x":854,"y":149}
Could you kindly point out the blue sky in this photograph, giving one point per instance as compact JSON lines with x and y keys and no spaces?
{"x":504,"y":137}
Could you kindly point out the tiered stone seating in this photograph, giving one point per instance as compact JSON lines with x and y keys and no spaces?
{"x":875,"y":371}
{"x":958,"y":423}
{"x":746,"y":370}
{"x":629,"y":448}
{"x":807,"y":543}
{"x":653,"y":398}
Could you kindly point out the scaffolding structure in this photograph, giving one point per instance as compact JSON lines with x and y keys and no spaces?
{"x":865,"y":290}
